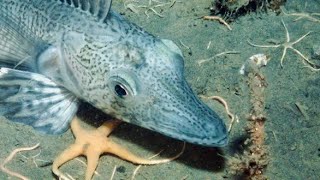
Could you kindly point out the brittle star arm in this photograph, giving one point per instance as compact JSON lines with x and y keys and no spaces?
{"x":9,"y":158}
{"x":151,"y":7}
{"x":289,"y":44}
{"x":299,"y":16}
{"x":263,"y":46}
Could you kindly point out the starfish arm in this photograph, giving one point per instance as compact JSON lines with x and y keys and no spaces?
{"x":301,"y":37}
{"x":286,"y":29}
{"x":161,"y":5}
{"x":107,"y":127}
{"x":154,"y":1}
{"x":282,"y":57}
{"x":123,"y":153}
{"x":297,"y":19}
{"x":115,"y":149}
{"x":73,"y":151}
{"x":154,"y":11}
{"x":263,"y":46}
{"x":76,"y":128}
{"x":146,"y":13}
{"x":305,"y":58}
{"x":142,"y":6}
{"x":92,"y":160}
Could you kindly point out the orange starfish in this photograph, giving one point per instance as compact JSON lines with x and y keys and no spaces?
{"x":94,"y":143}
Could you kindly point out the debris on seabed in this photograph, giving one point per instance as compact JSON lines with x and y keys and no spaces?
{"x":254,"y":62}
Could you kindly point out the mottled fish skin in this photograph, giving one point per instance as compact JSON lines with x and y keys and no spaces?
{"x":114,"y":65}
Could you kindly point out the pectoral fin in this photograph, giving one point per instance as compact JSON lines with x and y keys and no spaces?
{"x":33,"y":99}
{"x":19,"y":43}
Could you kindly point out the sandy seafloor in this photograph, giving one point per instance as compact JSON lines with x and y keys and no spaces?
{"x":293,"y":139}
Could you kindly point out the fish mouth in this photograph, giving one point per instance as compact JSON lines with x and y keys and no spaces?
{"x":179,"y":113}
{"x":200,"y":126}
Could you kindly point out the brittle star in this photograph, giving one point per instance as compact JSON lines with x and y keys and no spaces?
{"x":308,"y":16}
{"x":151,"y":7}
{"x":289,"y":45}
{"x":9,"y":158}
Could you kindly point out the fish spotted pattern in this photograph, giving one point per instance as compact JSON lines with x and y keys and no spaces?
{"x":55,"y":53}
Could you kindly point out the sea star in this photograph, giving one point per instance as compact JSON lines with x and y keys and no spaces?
{"x":94,"y":143}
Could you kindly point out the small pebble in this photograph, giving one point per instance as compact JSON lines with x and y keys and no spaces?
{"x":294,"y":147}
{"x":316,"y":52}
{"x":121,"y":169}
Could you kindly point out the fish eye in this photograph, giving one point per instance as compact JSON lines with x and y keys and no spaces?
{"x":123,"y":85}
{"x":120,"y":90}
{"x":120,"y":87}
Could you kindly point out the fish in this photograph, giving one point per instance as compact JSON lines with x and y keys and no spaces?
{"x":57,"y":54}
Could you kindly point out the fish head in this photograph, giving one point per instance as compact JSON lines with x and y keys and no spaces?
{"x":149,"y":89}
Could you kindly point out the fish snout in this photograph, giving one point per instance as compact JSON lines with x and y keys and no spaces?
{"x":203,"y":126}
{"x":214,"y":131}
{"x":186,"y":117}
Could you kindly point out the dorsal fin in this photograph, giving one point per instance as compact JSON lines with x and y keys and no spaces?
{"x":98,"y":8}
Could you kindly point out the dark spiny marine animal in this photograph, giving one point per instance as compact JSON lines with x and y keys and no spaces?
{"x":54,"y":53}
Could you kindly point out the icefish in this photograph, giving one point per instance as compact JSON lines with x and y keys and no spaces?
{"x":54,"y":53}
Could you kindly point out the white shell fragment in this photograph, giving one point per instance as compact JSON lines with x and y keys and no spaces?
{"x":254,"y":62}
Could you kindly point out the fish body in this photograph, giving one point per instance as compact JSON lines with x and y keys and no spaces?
{"x":55,"y":53}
